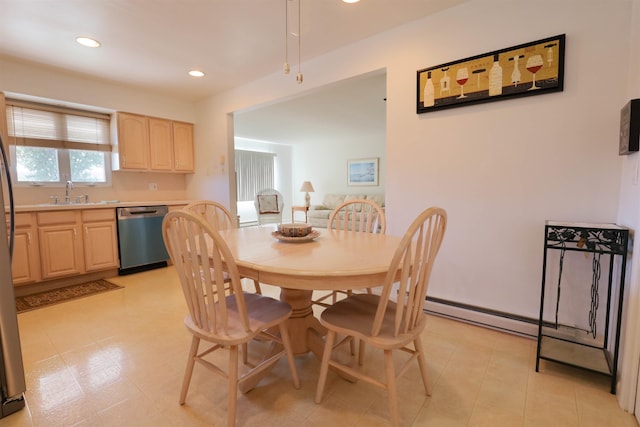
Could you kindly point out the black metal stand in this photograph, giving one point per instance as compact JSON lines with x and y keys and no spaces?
{"x":567,"y":344}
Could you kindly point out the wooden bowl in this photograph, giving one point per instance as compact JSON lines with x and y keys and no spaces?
{"x":294,"y":230}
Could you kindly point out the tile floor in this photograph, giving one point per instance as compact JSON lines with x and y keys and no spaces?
{"x":117,"y":359}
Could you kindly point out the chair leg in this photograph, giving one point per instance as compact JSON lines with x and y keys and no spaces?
{"x":391,"y":388}
{"x":324,"y":366}
{"x":423,"y":365}
{"x":193,"y":351}
{"x":360,"y":352}
{"x":257,"y":285}
{"x":245,"y":353}
{"x":286,"y":342}
{"x":232,"y":389}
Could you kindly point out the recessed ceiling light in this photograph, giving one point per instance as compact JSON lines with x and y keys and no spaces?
{"x":351,"y":1}
{"x":89,"y":42}
{"x":196,"y":73}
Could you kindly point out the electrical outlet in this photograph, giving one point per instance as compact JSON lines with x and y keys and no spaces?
{"x":153,"y":186}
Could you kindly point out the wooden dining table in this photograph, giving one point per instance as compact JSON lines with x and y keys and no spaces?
{"x":333,"y":260}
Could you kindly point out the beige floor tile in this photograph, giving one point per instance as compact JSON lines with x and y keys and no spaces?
{"x":118,"y":358}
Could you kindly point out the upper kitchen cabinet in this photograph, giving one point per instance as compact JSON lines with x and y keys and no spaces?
{"x":160,"y":145}
{"x":183,"y":146}
{"x":132,"y":142}
{"x":153,"y":144}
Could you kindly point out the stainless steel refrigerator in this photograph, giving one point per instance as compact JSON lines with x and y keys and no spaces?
{"x":12,"y":381}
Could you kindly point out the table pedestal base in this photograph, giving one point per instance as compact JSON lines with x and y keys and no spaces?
{"x":306,"y":331}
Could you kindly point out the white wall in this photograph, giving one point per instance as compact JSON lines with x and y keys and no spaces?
{"x":325,"y":165}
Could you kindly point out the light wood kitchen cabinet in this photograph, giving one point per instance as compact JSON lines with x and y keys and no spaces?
{"x":25,"y":267}
{"x":160,"y":144}
{"x":133,"y":142}
{"x":153,"y":144}
{"x":183,"y":147}
{"x":61,"y":252}
{"x":100,"y":239}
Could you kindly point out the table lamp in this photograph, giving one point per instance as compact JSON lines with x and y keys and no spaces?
{"x":307,"y":188}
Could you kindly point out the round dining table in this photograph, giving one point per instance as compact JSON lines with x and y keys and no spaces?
{"x":333,"y":260}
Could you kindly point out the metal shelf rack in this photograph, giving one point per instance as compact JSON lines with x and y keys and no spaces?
{"x":585,"y":348}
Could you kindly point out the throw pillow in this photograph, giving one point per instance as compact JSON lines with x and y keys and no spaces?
{"x":268,"y":204}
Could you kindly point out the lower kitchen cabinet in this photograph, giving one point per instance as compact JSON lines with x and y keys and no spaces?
{"x":25,"y":267}
{"x":60,"y":244}
{"x":100,"y":239}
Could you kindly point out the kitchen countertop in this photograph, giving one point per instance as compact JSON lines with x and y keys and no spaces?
{"x":94,"y":205}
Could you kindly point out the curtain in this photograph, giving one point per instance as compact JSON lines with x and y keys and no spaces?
{"x":254,"y":172}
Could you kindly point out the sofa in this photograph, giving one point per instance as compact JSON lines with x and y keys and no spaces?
{"x":318,"y":215}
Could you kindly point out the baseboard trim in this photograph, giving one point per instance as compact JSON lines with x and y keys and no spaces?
{"x":494,"y":319}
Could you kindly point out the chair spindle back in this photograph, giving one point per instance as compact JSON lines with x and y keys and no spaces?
{"x":358,"y":215}
{"x":200,"y":257}
{"x":413,"y":261}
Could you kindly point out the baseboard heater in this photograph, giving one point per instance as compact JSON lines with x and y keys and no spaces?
{"x":494,"y":319}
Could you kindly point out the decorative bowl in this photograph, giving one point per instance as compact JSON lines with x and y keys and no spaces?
{"x":294,"y":230}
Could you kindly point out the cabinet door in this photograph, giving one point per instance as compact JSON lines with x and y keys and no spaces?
{"x":100,"y":248}
{"x":160,"y":144}
{"x":133,"y":141}
{"x":183,"y":147}
{"x":60,"y":251}
{"x":25,"y":267}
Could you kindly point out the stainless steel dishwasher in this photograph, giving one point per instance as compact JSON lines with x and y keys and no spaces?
{"x":140,"y":238}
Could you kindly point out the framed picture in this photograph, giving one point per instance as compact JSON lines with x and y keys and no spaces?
{"x":528,"y":69}
{"x":362,"y":171}
{"x":630,"y":127}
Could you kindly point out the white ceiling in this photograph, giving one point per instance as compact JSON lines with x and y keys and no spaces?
{"x":152,"y":44}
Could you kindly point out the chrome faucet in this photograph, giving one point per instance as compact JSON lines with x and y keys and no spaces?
{"x":67,"y":192}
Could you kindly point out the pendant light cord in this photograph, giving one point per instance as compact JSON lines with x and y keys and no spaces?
{"x":286,"y":37}
{"x":299,"y":76}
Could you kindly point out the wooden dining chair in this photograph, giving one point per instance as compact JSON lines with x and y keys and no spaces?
{"x":382,"y":323}
{"x":219,"y":218}
{"x":224,"y":323}
{"x":354,"y":215}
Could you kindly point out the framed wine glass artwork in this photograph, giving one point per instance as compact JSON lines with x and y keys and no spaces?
{"x":527,"y":69}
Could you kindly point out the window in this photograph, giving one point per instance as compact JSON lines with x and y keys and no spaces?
{"x":51,"y":145}
{"x":254,"y":172}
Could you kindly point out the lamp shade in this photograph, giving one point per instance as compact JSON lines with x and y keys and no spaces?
{"x":306,"y":186}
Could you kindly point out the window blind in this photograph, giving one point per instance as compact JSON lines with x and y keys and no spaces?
{"x":39,"y":125}
{"x":254,"y":172}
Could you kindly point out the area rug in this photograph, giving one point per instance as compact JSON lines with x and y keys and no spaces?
{"x":67,"y":293}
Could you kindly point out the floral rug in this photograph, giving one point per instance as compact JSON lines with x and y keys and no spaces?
{"x":67,"y":293}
